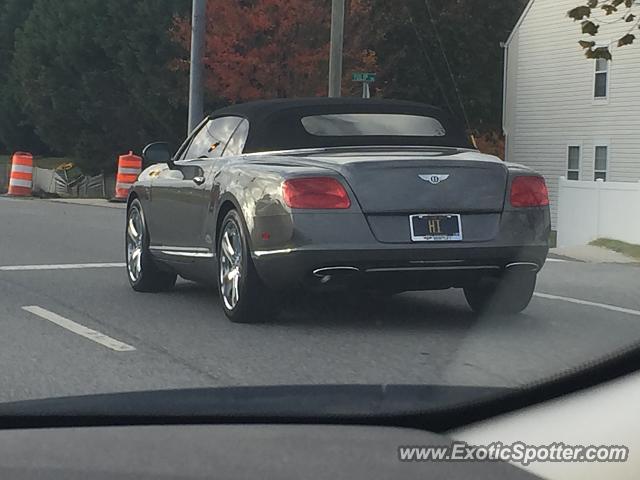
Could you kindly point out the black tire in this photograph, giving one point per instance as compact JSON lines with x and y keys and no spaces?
{"x":509,"y":295}
{"x":254,"y":302}
{"x":144,"y":276}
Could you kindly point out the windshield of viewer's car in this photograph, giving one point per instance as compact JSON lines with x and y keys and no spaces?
{"x":330,"y":222}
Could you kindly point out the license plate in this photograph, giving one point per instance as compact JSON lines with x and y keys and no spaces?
{"x":436,"y":228}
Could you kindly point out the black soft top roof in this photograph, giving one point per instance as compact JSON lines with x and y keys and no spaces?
{"x":276,"y":124}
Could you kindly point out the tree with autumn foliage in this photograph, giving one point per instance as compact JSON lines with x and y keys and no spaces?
{"x":620,"y":19}
{"x":274,"y":48}
{"x":99,"y":77}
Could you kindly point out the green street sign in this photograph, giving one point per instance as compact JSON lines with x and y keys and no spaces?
{"x":363,"y":77}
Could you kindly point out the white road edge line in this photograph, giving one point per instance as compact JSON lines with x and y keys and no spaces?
{"x":556,"y":260}
{"x":577,"y":301}
{"x":81,"y":330}
{"x":66,"y":266}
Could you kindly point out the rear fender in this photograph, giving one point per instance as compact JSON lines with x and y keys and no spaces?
{"x":257,"y":196}
{"x":255,"y":190}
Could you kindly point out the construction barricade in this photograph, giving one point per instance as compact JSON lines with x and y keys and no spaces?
{"x":129,"y":167}
{"x":21,"y":178}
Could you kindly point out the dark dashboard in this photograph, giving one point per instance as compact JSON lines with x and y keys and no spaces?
{"x":230,"y":452}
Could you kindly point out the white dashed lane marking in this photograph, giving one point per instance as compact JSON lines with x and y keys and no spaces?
{"x":64,"y":266}
{"x":587,"y":303}
{"x":81,"y":330}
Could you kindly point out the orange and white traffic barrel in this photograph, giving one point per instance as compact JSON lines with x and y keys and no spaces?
{"x":129,"y":167}
{"x":21,"y":179}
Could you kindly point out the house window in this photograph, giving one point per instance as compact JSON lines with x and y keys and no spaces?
{"x":601,"y":163}
{"x":573,"y":163}
{"x":601,"y":84}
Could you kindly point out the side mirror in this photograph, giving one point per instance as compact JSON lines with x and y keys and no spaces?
{"x":157,"y":152}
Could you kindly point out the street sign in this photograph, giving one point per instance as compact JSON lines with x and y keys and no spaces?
{"x":363,"y":77}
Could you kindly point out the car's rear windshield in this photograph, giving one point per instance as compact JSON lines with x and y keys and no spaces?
{"x":373,"y":124}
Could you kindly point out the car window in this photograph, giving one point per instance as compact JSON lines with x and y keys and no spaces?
{"x":373,"y":124}
{"x":238,"y":139}
{"x":184,"y":148}
{"x":212,"y":139}
{"x":198,"y":136}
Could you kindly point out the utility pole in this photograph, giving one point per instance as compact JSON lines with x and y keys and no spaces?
{"x":196,"y":80}
{"x":337,"y":40}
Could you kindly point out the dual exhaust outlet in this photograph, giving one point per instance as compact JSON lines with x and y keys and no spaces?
{"x":325,"y":274}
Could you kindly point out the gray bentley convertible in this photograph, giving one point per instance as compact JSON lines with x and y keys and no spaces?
{"x":375,"y":196}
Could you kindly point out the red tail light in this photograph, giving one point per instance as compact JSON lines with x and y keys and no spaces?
{"x":315,"y":193}
{"x":529,"y":192}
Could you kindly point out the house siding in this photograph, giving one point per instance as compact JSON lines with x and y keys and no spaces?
{"x":549,"y":102}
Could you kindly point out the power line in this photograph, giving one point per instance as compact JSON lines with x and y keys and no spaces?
{"x":425,"y":52}
{"x":446,"y":60}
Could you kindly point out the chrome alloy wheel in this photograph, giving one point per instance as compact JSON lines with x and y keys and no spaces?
{"x":135,"y":238}
{"x":230,"y":264}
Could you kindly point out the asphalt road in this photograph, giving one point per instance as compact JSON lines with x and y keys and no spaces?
{"x":182,"y":339}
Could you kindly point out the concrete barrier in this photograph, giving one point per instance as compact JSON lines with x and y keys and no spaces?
{"x":43,"y":180}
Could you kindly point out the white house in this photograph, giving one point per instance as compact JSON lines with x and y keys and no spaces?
{"x":565,"y":115}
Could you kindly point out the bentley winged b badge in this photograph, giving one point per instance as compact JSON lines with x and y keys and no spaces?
{"x":434,"y":179}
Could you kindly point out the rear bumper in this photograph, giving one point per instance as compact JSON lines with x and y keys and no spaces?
{"x":378,"y":250}
{"x":393,"y":267}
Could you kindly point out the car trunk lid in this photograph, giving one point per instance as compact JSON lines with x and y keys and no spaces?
{"x":437,"y":180}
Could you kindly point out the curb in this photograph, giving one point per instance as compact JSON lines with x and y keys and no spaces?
{"x":100,"y":203}
{"x":555,"y":256}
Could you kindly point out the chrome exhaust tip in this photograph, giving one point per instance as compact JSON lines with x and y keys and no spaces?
{"x":523,"y":266}
{"x":325,"y":272}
